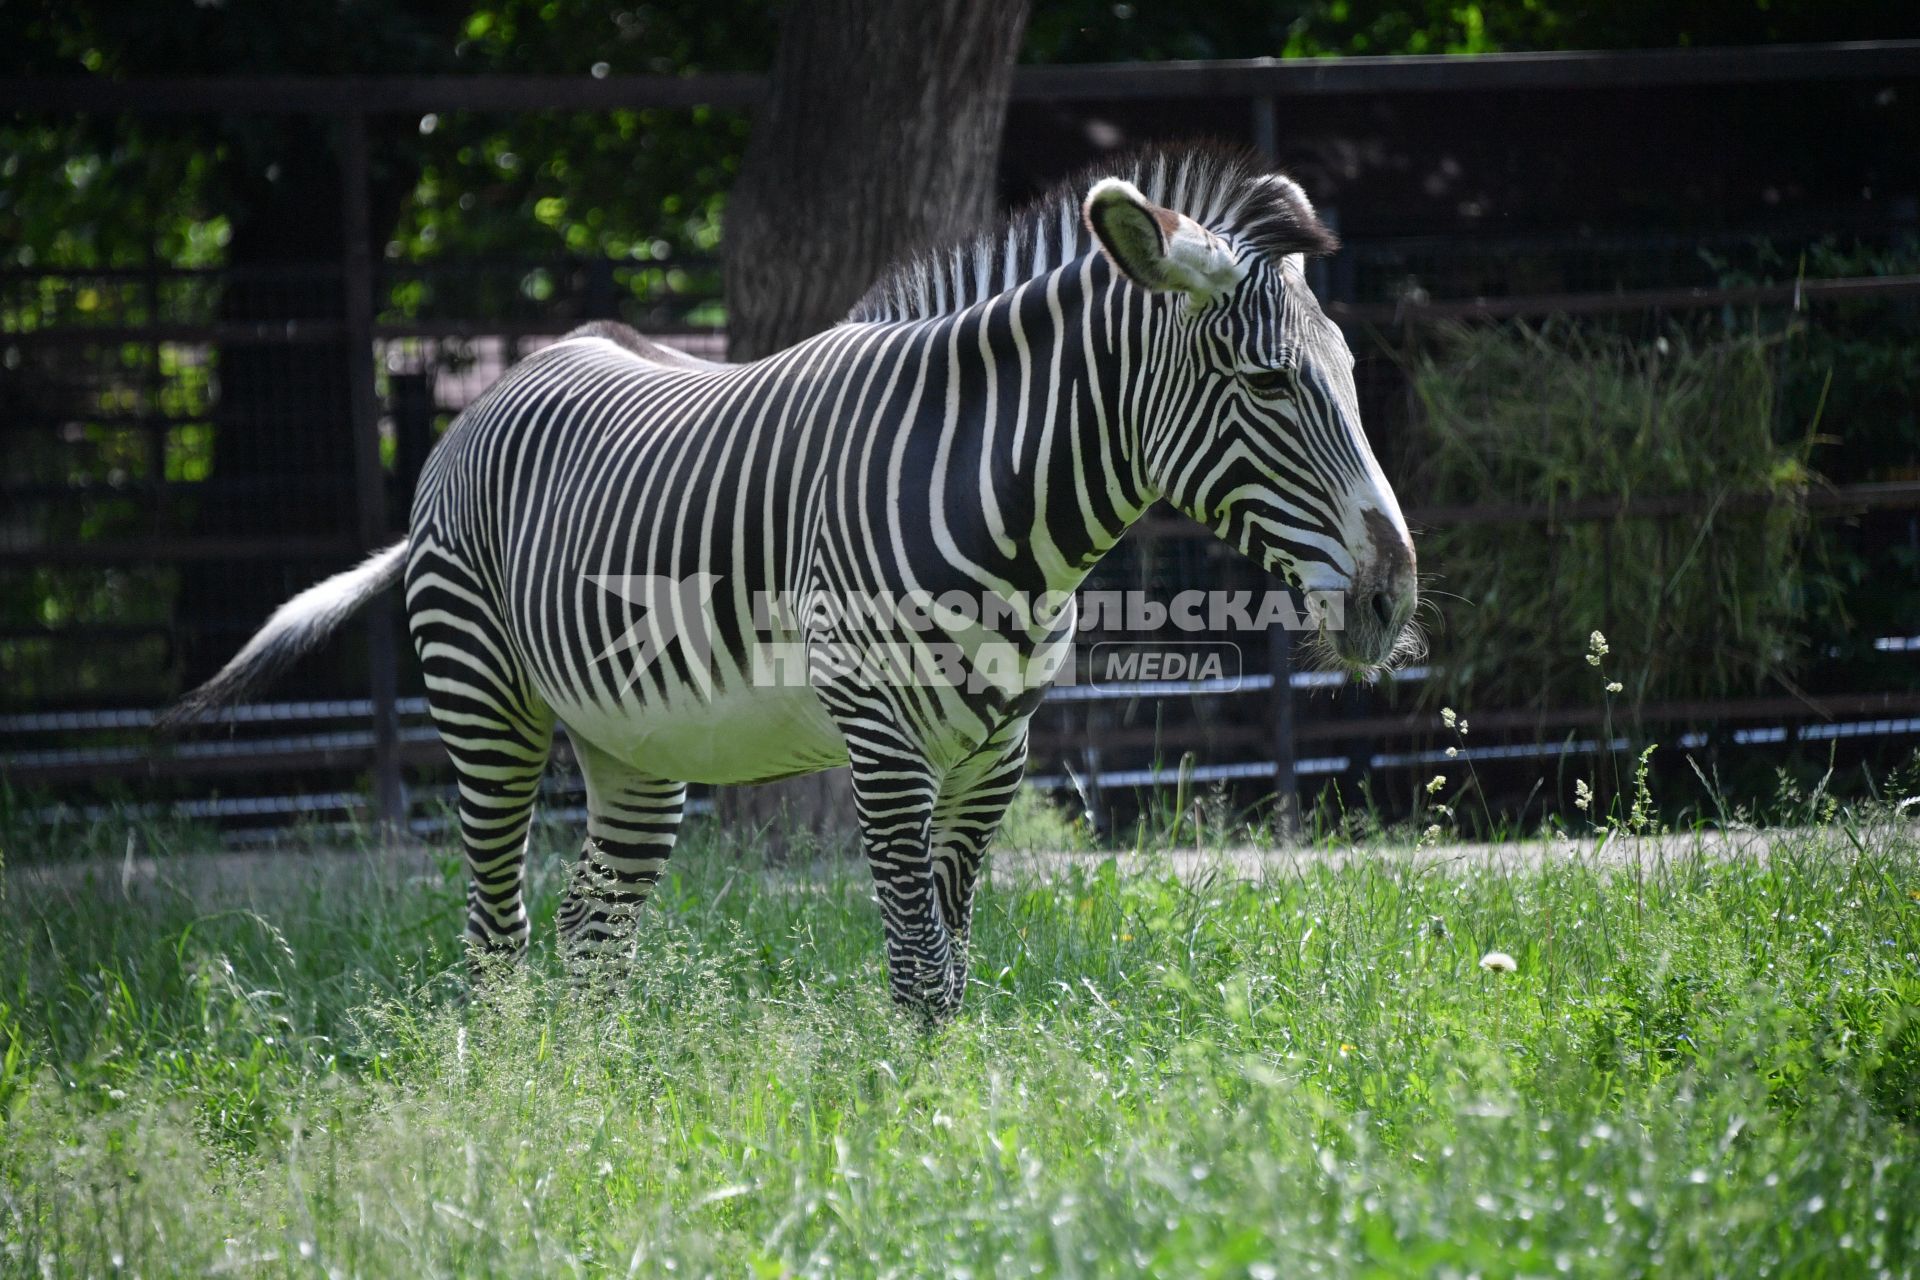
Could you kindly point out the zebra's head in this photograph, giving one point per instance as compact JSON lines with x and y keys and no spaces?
{"x":1244,"y":405}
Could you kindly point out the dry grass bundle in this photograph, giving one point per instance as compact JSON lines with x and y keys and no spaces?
{"x":1697,"y":605}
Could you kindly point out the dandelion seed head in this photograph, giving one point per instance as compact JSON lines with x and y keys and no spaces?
{"x":1498,"y":962}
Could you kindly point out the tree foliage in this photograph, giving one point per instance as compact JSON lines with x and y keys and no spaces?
{"x":641,"y":185}
{"x":637,"y":186}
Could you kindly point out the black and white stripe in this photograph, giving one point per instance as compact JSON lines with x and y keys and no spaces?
{"x":989,"y":420}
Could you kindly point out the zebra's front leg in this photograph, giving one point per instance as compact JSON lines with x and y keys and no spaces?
{"x":895,"y":798}
{"x":973,"y":798}
{"x":632,"y":820}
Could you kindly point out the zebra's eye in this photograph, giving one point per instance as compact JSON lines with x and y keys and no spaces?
{"x":1268,"y":382}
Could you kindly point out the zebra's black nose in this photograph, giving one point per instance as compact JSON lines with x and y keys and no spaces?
{"x":1383,"y":609}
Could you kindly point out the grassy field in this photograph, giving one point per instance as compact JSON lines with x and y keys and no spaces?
{"x":1698,"y":1067}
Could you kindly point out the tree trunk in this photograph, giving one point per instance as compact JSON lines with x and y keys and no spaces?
{"x":283,"y":443}
{"x":283,"y":436}
{"x":881,"y":135}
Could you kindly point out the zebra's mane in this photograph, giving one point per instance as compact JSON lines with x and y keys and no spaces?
{"x":1228,"y":190}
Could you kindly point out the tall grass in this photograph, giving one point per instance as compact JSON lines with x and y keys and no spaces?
{"x":1709,"y":1067}
{"x":1695,"y":606}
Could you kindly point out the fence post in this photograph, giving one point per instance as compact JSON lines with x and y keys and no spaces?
{"x":369,"y":477}
{"x":1286,"y":787}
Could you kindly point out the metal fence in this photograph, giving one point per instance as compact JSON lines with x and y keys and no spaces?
{"x":142,"y":560}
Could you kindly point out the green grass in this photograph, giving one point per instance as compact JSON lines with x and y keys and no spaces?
{"x":1699,"y":1068}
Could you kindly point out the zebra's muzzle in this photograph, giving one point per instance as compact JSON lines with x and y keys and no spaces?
{"x":1380,"y":604}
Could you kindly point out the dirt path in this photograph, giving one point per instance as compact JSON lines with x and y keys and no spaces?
{"x":1248,"y":863}
{"x":227,"y":878}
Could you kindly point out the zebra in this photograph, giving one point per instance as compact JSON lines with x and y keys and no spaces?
{"x":989,"y":419}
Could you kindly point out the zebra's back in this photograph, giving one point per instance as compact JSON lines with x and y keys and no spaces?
{"x":599,"y":508}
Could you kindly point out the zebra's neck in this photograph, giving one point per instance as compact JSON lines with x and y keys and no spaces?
{"x":1037,"y":433}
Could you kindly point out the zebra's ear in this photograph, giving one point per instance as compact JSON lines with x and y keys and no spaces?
{"x":1291,"y":228}
{"x":1158,"y":249}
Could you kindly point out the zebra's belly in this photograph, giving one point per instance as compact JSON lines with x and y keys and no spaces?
{"x":754,"y":735}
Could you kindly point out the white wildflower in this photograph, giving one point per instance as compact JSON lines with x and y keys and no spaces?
{"x":1447,"y":717}
{"x":1596,"y":649}
{"x":1439,"y":781}
{"x":1452,"y":752}
{"x":1498,"y":962}
{"x":1614,"y":686}
{"x":1582,"y":794}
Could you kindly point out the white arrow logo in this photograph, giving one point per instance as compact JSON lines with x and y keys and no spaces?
{"x":670,"y":608}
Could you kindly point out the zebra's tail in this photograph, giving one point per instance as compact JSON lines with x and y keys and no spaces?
{"x":296,"y":628}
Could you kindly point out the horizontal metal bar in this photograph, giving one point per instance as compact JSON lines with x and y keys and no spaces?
{"x":343,"y":95}
{"x":419,"y":747}
{"x":665,"y":323}
{"x":151,"y":492}
{"x":211,"y":808}
{"x":1894,"y":495}
{"x":178,"y":551}
{"x":386,"y":273}
{"x":1796,"y":293}
{"x":1724,"y":710}
{"x":349,"y":755}
{"x":547,"y":328}
{"x":1171,"y":775}
{"x":279,"y":333}
{"x":1899,"y":495}
{"x":1452,"y":73}
{"x":1104,"y":82}
{"x":298,"y":333}
{"x":1047,"y":738}
{"x":94,"y":720}
{"x":286,"y":271}
{"x":1891,"y":495}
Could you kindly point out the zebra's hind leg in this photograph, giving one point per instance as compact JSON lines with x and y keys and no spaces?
{"x":973,"y":798}
{"x":632,"y":820}
{"x":499,"y":734}
{"x":497,"y":764}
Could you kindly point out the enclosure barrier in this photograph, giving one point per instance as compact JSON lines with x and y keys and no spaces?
{"x":389,"y":735}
